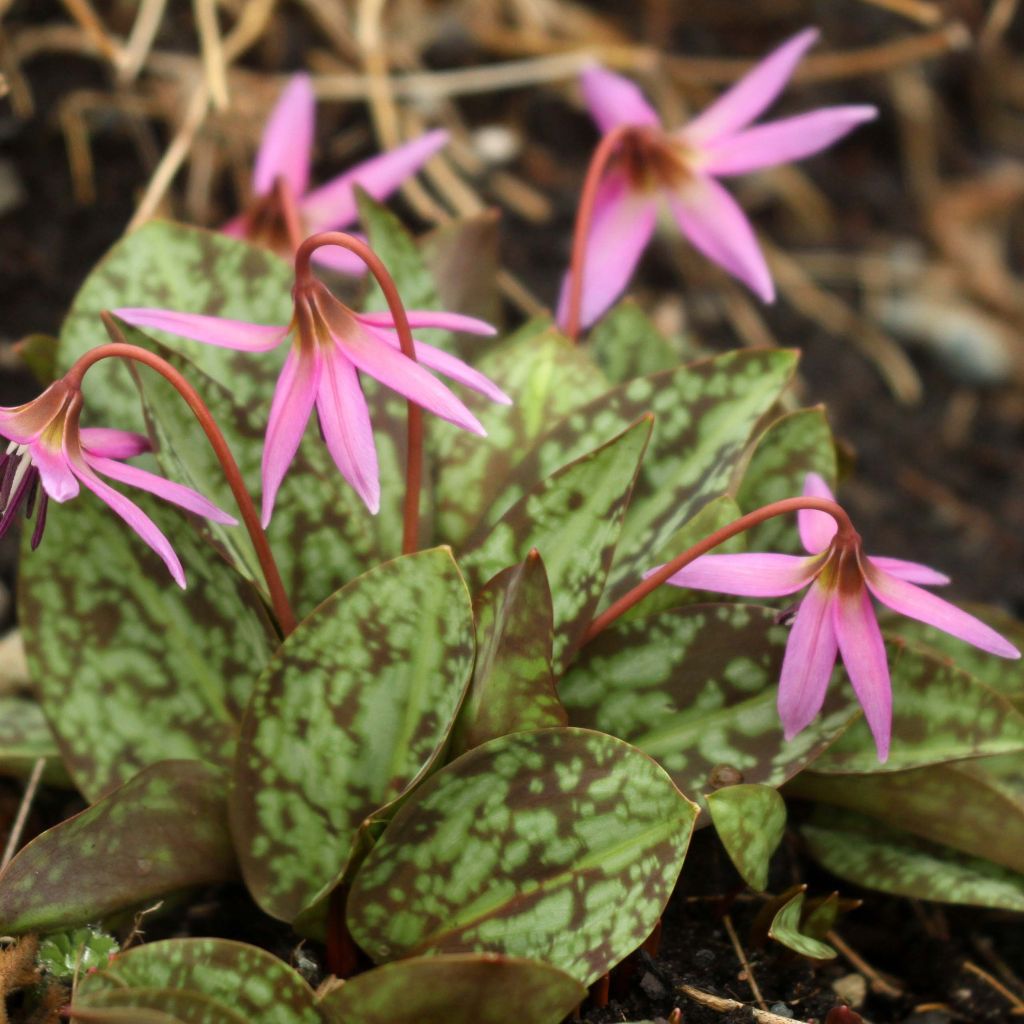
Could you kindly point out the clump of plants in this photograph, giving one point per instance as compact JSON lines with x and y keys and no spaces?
{"x":454,"y":700}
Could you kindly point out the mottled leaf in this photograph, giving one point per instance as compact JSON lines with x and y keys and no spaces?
{"x":132,"y":670}
{"x":940,"y":713}
{"x":163,"y":831}
{"x":786,"y":929}
{"x":561,"y":845}
{"x":124,"y":1015}
{"x":794,"y":445}
{"x":877,"y":856}
{"x":24,"y":738}
{"x":253,"y":983}
{"x":696,"y":688}
{"x":750,"y":820}
{"x":513,"y":687}
{"x":546,"y":376}
{"x":573,"y":519}
{"x":357,"y":703}
{"x":625,"y":344}
{"x":151,"y":1006}
{"x":467,"y":989}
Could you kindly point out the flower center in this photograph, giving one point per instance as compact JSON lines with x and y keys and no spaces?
{"x":19,"y":484}
{"x":650,"y":159}
{"x":266,"y":225}
{"x":842,"y":570}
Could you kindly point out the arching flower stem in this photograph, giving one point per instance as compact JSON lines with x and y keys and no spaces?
{"x":846,"y":533}
{"x":414,"y":414}
{"x":120,"y":349}
{"x":584,"y":217}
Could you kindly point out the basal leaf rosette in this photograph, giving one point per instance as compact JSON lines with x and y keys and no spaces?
{"x":560,"y":845}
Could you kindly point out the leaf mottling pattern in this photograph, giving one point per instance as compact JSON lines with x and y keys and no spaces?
{"x":130,"y":669}
{"x":750,"y":820}
{"x":561,"y":845}
{"x":163,"y":831}
{"x":356,"y":704}
{"x":786,"y":929}
{"x":626,"y":344}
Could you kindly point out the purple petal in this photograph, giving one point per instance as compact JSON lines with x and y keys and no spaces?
{"x":915,"y":603}
{"x":613,"y":100}
{"x":289,"y":413}
{"x":622,"y":226}
{"x":711,"y":219}
{"x":176,"y":494}
{"x":912,"y":572}
{"x":748,"y":575}
{"x":213,"y":330}
{"x":808,"y":662}
{"x":55,"y":472}
{"x":235,"y":227}
{"x":447,"y":364}
{"x":752,"y":94}
{"x":341,"y":261}
{"x":779,"y":142}
{"x":863,"y":653}
{"x":816,"y":528}
{"x":334,"y":205}
{"x":345,"y":420}
{"x":287,"y":144}
{"x":107,"y":443}
{"x":424,"y":319}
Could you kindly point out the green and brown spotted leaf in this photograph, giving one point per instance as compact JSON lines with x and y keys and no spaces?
{"x":561,"y":845}
{"x":25,"y":737}
{"x":786,"y":928}
{"x":546,"y":376}
{"x":750,"y":820}
{"x":188,"y":269}
{"x":357,"y":703}
{"x":958,"y":805}
{"x":163,"y":831}
{"x":472,"y":988}
{"x":705,"y":415}
{"x":940,"y":713}
{"x":625,"y":344}
{"x":249,"y":980}
{"x":130,"y":669}
{"x":877,"y":856}
{"x":151,"y":1006}
{"x":513,"y":687}
{"x":573,"y":519}
{"x":794,"y":445}
{"x":696,"y":689}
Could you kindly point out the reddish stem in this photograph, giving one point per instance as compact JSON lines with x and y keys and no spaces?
{"x":120,"y":349}
{"x":584,"y":218}
{"x":712,"y":540}
{"x":414,"y":463}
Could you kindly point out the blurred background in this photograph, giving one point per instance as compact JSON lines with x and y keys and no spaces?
{"x":898,"y":254}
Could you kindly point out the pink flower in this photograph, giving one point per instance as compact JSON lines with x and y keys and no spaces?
{"x":681,"y":168}
{"x":836,"y":614}
{"x":332,"y":345}
{"x":48,"y":447}
{"x":286,"y":152}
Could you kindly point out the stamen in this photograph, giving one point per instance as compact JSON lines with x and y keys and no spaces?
{"x":24,"y":481}
{"x":37,"y":533}
{"x":32,"y":492}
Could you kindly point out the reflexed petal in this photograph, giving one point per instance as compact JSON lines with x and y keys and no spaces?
{"x":863,"y":652}
{"x":55,"y":472}
{"x":424,"y":319}
{"x":287,"y":144}
{"x":748,"y":575}
{"x":623,"y":224}
{"x":176,"y":494}
{"x":816,"y":528}
{"x":289,"y":413}
{"x":345,"y":421}
{"x":912,"y":572}
{"x":113,"y":444}
{"x":711,"y":219}
{"x":447,"y":364}
{"x":792,"y":138}
{"x":341,"y":261}
{"x":213,"y":330}
{"x":334,"y":205}
{"x":613,"y":100}
{"x":808,"y":662}
{"x":919,"y":604}
{"x":752,"y":94}
{"x":132,"y":515}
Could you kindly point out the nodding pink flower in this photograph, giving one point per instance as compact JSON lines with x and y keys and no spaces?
{"x":286,"y":151}
{"x":681,"y":168}
{"x":332,"y":345}
{"x":836,"y":614}
{"x":47,"y":449}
